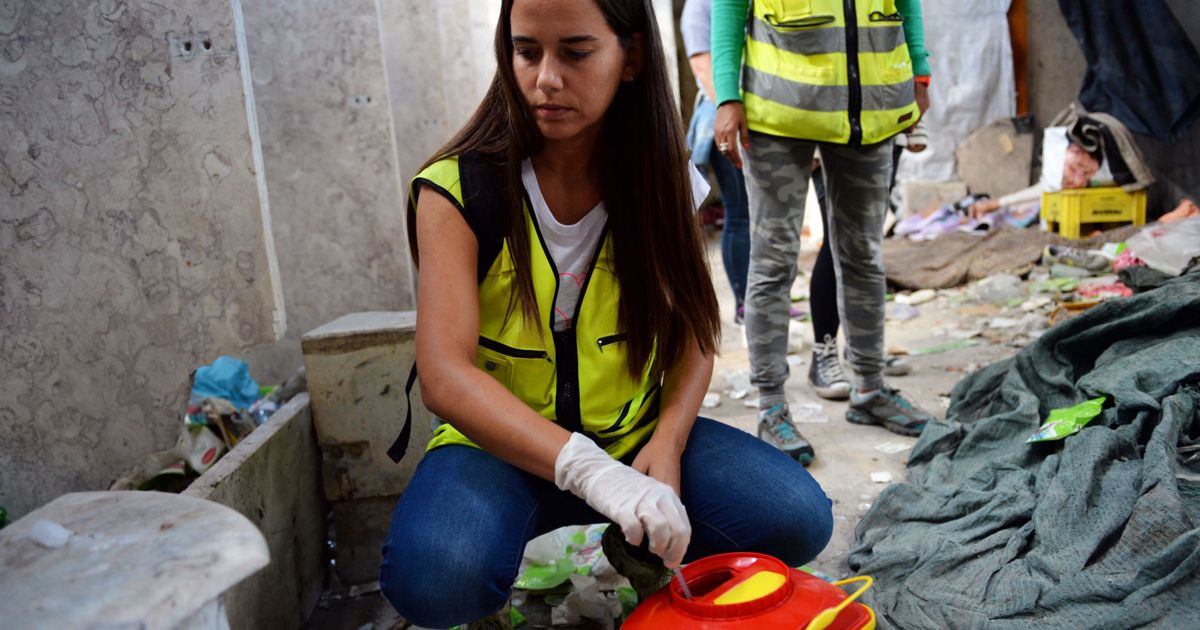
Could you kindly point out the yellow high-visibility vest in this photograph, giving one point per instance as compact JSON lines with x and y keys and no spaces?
{"x":810,"y":74}
{"x":578,"y":377}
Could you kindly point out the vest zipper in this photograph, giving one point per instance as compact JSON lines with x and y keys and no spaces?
{"x":852,"y":70}
{"x":510,"y":351}
{"x":609,"y":340}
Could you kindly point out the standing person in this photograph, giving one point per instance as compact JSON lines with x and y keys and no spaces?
{"x":566,"y":325}
{"x":816,"y":76}
{"x":825,"y":373}
{"x":694,"y":24}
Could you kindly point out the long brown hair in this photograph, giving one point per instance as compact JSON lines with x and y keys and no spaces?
{"x":667,"y":298}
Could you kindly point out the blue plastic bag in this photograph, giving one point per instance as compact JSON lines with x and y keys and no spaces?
{"x":227,"y":378}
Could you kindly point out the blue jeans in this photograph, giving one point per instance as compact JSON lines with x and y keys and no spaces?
{"x":459,"y":530}
{"x":735,"y":237}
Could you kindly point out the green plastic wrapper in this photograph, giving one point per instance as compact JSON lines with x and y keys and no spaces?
{"x":1068,"y":420}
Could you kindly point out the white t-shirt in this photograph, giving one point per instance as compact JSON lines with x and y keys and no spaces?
{"x":571,"y":247}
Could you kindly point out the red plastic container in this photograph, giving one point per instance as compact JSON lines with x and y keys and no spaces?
{"x":745,"y":591}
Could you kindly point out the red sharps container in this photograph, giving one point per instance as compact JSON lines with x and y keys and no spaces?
{"x":748,"y":591}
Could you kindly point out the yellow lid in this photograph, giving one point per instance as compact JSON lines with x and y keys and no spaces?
{"x":758,"y":585}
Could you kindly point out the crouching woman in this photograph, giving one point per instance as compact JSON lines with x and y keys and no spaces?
{"x":566,"y":331}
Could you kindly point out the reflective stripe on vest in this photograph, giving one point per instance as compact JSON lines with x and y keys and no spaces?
{"x":797,"y":79}
{"x":616,"y":410}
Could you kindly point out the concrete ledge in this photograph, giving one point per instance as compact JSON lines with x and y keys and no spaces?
{"x":357,"y":367}
{"x":273,"y":478}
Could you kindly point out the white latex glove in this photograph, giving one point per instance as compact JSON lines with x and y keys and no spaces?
{"x":637,"y":503}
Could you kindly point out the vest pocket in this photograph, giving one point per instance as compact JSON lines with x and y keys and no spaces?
{"x":498,"y":359}
{"x":496,"y":365}
{"x":609,"y":340}
{"x":793,"y":13}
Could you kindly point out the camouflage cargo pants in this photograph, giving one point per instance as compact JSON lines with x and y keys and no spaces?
{"x":856,"y":179}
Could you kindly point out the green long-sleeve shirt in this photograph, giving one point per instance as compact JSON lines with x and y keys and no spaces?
{"x":728,"y":38}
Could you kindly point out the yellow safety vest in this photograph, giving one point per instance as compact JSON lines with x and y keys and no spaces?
{"x":810,"y":74}
{"x":578,"y":377}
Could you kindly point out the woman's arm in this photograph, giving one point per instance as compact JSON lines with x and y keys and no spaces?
{"x":447,"y":336}
{"x":728,"y":38}
{"x":683,"y":391}
{"x":914,"y":35}
{"x":701,"y":64}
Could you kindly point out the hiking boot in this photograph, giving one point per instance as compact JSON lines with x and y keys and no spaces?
{"x":890,"y":409}
{"x":775,"y":427}
{"x":644,"y":570}
{"x":825,"y":374}
{"x":499,"y":620}
{"x":1074,"y":257}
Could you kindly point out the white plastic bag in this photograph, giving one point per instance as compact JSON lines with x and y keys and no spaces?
{"x":1168,"y":247}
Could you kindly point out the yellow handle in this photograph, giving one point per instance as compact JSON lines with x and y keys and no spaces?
{"x":827,"y":616}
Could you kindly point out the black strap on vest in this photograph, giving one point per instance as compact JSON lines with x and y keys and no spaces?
{"x":396,"y":452}
{"x":482,"y":183}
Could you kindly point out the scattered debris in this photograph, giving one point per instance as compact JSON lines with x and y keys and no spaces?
{"x":945,"y":347}
{"x":1003,"y":322}
{"x":891,"y":448}
{"x":1035,"y":303}
{"x":739,"y":383}
{"x":1068,"y":421}
{"x":916,"y":297}
{"x":808,"y":413}
{"x":999,"y":288}
{"x":901,"y":312}
{"x":882,"y":476}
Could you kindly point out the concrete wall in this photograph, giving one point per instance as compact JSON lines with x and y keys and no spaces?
{"x":273,"y":478}
{"x":439,"y":62}
{"x":133,"y":245}
{"x":1056,"y":69}
{"x":326,"y":129}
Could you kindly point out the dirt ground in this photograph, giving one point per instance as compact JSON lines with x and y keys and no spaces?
{"x":846,"y":454}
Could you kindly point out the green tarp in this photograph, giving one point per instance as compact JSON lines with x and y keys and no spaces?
{"x":1099,"y":530}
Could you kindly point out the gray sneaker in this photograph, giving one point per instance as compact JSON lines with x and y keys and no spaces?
{"x":775,"y":427}
{"x":890,"y":409}
{"x":1075,"y":257}
{"x":825,"y":373}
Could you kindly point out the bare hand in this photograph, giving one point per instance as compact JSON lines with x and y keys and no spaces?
{"x":921,"y":92}
{"x":659,"y":460}
{"x":730,"y":131}
{"x":981,"y":209}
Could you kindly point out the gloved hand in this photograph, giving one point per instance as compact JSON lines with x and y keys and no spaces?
{"x":637,"y":503}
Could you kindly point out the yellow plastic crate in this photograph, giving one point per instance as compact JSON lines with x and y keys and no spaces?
{"x":1070,"y":209}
